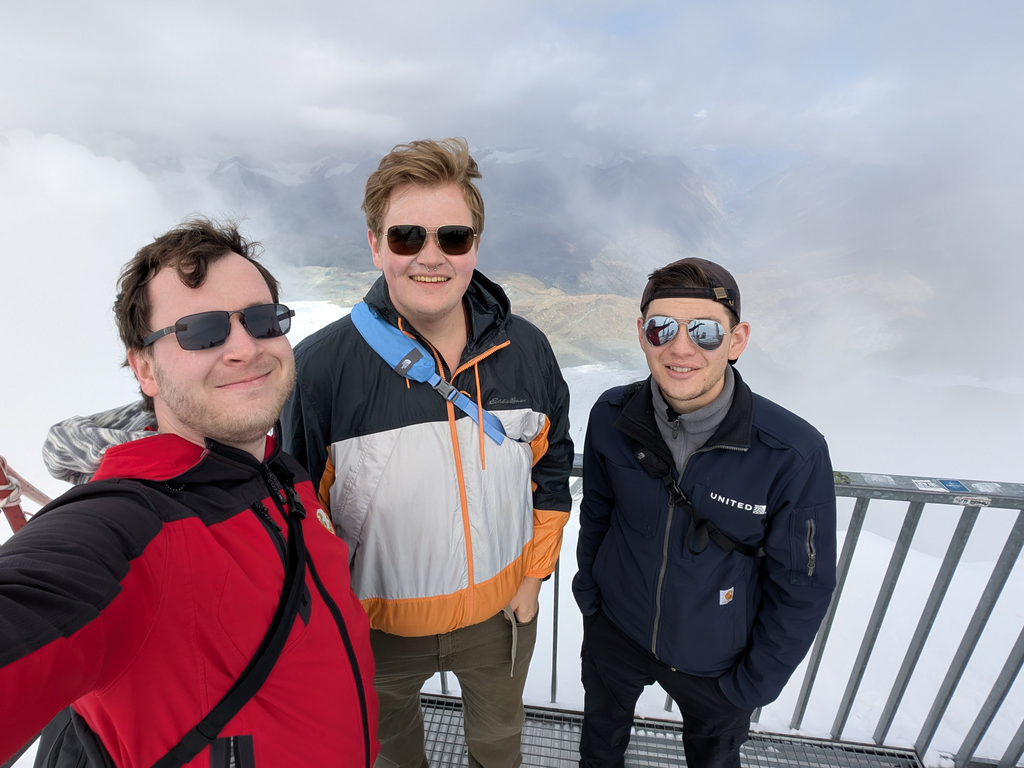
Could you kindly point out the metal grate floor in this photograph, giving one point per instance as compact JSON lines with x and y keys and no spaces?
{"x":551,"y":738}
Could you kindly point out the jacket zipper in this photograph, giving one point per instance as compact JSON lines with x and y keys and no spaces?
{"x":812,"y":555}
{"x":353,"y":661}
{"x":661,"y":579}
{"x":264,"y":514}
{"x":665,"y":548}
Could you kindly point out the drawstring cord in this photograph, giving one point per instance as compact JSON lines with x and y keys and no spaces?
{"x":480,"y":422}
{"x":511,"y":616}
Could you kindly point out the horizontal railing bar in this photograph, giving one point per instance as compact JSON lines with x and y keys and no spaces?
{"x":924,"y":625}
{"x":885,"y":593}
{"x":958,"y":493}
{"x":995,"y":700}
{"x":995,"y":585}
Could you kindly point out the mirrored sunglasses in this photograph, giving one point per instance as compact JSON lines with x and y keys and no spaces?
{"x":706,"y":334}
{"x":211,"y":329}
{"x":452,"y":239}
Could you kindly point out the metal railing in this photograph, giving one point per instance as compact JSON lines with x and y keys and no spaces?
{"x":921,"y":495}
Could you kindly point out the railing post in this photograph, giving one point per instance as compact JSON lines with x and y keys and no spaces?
{"x":927,"y":620}
{"x":1015,"y":749}
{"x":860,"y":509}
{"x":992,"y":704}
{"x":554,"y":638}
{"x":996,"y":581}
{"x":885,"y":592}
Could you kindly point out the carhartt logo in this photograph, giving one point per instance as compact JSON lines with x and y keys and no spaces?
{"x":725,"y":595}
{"x":757,"y":509}
{"x":325,"y":521}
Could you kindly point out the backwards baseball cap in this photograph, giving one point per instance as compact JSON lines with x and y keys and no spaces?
{"x":723,"y":285}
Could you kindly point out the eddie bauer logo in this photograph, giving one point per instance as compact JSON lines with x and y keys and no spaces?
{"x":757,"y":509}
{"x":506,"y":400}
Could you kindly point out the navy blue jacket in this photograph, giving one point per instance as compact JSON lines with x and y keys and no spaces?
{"x":765,"y":480}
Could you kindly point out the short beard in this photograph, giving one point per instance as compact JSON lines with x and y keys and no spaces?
{"x":229,"y":428}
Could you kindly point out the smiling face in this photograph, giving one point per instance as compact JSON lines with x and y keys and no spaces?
{"x":690,"y":377}
{"x":427,"y":287}
{"x":232,"y":393}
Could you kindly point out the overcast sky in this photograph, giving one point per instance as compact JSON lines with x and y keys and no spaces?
{"x":112,"y":114}
{"x":869,"y":81}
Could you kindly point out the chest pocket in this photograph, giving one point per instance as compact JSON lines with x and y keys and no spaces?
{"x":637,"y":498}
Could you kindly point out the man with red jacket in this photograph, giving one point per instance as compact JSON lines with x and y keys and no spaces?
{"x":140,"y":597}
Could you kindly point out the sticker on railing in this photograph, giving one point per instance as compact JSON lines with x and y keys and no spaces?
{"x":929,"y":485}
{"x":987,"y":487}
{"x":955,"y":486}
{"x":972,"y":501}
{"x":879,"y":479}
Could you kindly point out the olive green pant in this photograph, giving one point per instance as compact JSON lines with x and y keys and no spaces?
{"x":492,"y":690}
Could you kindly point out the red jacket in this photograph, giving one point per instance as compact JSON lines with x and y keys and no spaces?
{"x":139,"y":601}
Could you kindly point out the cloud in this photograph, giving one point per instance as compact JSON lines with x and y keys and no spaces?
{"x":68,"y":221}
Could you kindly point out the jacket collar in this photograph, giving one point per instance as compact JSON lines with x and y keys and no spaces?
{"x":637,"y":420}
{"x":165,"y":456}
{"x":486,"y":303}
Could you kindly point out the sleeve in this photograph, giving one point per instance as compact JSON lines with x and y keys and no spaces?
{"x":304,"y":428}
{"x":799,"y":577}
{"x":595,"y":519}
{"x":553,"y":456}
{"x":77,"y":599}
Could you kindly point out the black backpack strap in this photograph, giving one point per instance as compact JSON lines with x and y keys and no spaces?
{"x":704,"y":530}
{"x":701,"y":529}
{"x":259,"y":667}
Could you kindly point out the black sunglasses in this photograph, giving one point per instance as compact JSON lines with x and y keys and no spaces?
{"x":211,"y":329}
{"x":408,"y":239}
{"x":706,"y":334}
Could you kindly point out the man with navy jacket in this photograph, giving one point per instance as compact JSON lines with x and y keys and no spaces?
{"x":707,"y":531}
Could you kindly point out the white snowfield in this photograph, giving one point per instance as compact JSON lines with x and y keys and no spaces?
{"x":873,"y":552}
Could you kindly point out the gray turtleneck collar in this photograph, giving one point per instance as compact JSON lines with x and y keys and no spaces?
{"x":685,"y":433}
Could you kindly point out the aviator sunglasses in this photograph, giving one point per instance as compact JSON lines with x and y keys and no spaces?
{"x":210,"y":329}
{"x":706,"y":334}
{"x":452,"y":239}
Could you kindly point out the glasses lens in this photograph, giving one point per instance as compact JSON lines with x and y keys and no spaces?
{"x":660,"y":330}
{"x":267,"y":321}
{"x":203,"y":331}
{"x":455,"y":240}
{"x":706,"y":334}
{"x":406,"y":239}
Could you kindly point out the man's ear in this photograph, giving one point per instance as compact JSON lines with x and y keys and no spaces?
{"x":371,"y":238}
{"x":141,"y":363}
{"x":738,"y":340}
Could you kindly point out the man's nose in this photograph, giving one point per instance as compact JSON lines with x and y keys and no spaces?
{"x":431,"y":254}
{"x":240,"y":343}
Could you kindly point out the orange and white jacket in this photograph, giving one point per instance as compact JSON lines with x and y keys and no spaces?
{"x":442,"y":524}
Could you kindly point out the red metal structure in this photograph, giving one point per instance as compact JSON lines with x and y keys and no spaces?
{"x":12,"y":486}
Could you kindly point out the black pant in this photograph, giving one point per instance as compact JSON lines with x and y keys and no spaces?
{"x":615,"y":671}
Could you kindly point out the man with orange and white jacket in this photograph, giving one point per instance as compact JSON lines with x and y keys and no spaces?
{"x":450,"y":531}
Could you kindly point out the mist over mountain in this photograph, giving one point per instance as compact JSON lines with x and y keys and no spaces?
{"x":579,"y":227}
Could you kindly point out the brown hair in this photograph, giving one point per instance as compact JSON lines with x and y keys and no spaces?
{"x":189,"y":249}
{"x":429,"y":163}
{"x":697,"y":278}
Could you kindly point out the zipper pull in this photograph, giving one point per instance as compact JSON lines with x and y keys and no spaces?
{"x":812,"y":555}
{"x":675,"y":428}
{"x":261,"y":509}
